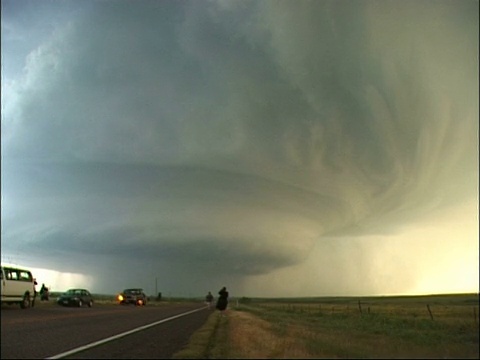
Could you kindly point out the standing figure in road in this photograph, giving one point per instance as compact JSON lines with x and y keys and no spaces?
{"x":209,"y":299}
{"x":35,"y":283}
{"x":44,"y":293}
{"x":222,"y":301}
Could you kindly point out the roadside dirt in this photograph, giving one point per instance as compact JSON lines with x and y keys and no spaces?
{"x":254,"y":338}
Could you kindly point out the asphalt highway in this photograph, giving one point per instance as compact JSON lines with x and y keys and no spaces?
{"x":102,"y":332}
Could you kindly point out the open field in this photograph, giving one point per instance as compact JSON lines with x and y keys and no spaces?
{"x":439,"y":326}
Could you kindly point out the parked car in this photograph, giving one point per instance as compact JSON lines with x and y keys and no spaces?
{"x":76,"y":297}
{"x":132,"y":296}
{"x":17,"y":286}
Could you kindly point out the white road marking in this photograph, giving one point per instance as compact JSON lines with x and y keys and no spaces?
{"x":114,"y":337}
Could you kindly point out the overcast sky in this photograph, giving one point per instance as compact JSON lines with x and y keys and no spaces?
{"x":278,"y":148}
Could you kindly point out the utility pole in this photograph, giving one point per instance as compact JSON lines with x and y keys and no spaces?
{"x":156,"y":287}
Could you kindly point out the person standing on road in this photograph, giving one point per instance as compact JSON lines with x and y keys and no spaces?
{"x":35,"y":283}
{"x":209,"y":299}
{"x":44,"y":293}
{"x":222,"y":301}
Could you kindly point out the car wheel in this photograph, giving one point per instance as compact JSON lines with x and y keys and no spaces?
{"x":25,"y":302}
{"x":80,"y":303}
{"x":90,"y":303}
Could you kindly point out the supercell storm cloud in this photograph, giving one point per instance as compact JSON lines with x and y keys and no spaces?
{"x":270,"y":146}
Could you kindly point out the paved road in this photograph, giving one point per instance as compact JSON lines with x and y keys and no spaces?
{"x":54,"y":331}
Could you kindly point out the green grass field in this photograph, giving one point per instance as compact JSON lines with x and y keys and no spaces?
{"x":437,"y":326}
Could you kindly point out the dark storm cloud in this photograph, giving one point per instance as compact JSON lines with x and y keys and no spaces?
{"x":234,"y":135}
{"x":117,"y":210}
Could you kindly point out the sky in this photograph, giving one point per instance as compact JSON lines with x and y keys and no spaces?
{"x":278,"y":148}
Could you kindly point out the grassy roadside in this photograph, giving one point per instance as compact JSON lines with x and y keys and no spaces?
{"x":342,"y":328}
{"x":209,"y":342}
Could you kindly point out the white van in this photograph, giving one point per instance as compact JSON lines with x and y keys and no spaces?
{"x":17,"y":286}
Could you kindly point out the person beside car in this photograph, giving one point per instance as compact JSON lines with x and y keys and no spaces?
{"x":44,"y":293}
{"x":35,"y":283}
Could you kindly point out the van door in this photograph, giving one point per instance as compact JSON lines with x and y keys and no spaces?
{"x":26,"y":282}
{"x":2,"y":282}
{"x":13,"y":287}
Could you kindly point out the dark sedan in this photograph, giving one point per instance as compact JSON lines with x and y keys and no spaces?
{"x":132,"y":296}
{"x":76,"y":297}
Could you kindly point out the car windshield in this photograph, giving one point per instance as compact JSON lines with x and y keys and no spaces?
{"x":73,"y":292}
{"x":133,"y":291}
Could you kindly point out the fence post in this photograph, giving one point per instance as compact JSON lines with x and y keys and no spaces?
{"x":359,"y":306}
{"x":428,"y":308}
